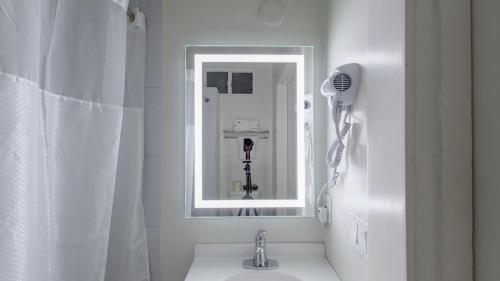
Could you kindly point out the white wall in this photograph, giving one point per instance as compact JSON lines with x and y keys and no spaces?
{"x":371,"y":33}
{"x":219,"y":22}
{"x":486,"y":55}
{"x":439,"y":147}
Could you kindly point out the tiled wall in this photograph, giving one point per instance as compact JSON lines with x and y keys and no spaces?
{"x":152,"y":9}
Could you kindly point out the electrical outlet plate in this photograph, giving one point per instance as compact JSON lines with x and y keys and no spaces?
{"x":329,"y":207}
{"x":324,"y":213}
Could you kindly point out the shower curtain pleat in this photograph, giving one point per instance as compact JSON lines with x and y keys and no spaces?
{"x":62,"y":85}
{"x":128,"y":253}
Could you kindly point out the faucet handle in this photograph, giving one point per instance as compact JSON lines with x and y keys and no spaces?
{"x":260,"y":238}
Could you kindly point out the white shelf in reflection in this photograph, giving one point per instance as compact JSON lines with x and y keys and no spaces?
{"x":231,"y":134}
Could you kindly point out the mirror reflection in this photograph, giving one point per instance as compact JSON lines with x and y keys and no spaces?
{"x":251,"y":119}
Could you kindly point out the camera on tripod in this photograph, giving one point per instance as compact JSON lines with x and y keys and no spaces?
{"x":248,"y":187}
{"x":247,"y":148}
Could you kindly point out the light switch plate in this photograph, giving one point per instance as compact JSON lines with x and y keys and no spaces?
{"x":359,"y":235}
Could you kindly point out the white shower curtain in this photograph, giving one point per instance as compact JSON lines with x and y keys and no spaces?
{"x":128,"y":252}
{"x":62,"y":85}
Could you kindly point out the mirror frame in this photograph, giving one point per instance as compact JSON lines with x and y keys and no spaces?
{"x":199,"y":59}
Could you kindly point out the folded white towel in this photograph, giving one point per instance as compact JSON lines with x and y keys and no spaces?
{"x":246,"y":125}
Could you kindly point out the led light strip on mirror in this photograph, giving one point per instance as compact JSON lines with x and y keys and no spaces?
{"x":300,"y":202}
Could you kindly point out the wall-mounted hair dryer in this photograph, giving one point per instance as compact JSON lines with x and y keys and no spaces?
{"x":341,"y":90}
{"x":342,"y":85}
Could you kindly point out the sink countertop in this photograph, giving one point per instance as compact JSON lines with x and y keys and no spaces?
{"x":218,"y":262}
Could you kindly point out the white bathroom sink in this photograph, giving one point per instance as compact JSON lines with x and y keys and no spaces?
{"x":297,"y":262}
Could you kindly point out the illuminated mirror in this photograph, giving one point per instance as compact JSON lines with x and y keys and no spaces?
{"x":249,"y":131}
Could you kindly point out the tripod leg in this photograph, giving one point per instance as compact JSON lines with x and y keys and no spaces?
{"x":256,"y":213}
{"x":239,"y":212}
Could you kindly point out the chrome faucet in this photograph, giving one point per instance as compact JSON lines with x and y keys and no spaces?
{"x":260,"y":261}
{"x":259,"y":258}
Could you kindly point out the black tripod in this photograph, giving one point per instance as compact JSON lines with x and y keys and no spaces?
{"x":248,"y":187}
